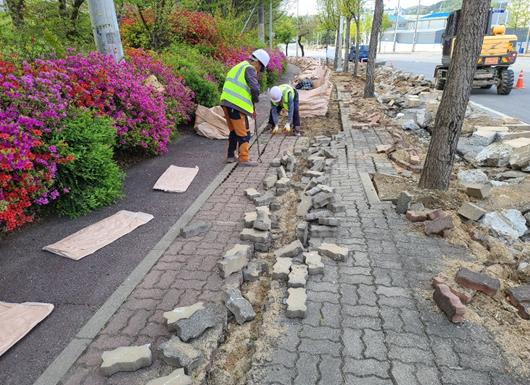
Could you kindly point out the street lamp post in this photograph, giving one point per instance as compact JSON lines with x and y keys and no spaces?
{"x":415,"y":38}
{"x":105,"y":28}
{"x":396,"y":26}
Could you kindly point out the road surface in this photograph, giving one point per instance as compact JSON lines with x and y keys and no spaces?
{"x":517,"y":104}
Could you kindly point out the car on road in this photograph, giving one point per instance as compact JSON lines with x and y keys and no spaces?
{"x":363,"y":53}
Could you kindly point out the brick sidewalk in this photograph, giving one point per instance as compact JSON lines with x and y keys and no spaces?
{"x":368,"y":322}
{"x":185,"y":274}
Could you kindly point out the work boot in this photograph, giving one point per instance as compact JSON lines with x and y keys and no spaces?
{"x":231,"y":159}
{"x":248,"y":163}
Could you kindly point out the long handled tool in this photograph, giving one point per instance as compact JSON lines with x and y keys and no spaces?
{"x":257,"y":139}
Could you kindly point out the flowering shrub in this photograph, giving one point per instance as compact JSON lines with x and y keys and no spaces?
{"x":178,"y":97}
{"x":194,"y":27}
{"x":30,"y":107}
{"x":34,"y":103}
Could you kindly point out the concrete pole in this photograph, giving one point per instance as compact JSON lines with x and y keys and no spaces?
{"x":415,"y":38}
{"x":105,"y":28}
{"x":261,"y":22}
{"x":396,"y":27}
{"x":527,"y":40}
{"x":270,"y":24}
{"x":297,"y":24}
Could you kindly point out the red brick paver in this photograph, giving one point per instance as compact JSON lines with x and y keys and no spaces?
{"x":185,"y":274}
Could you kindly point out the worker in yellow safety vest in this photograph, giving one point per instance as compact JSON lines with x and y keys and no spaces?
{"x":240,"y":93}
{"x":284,"y":97}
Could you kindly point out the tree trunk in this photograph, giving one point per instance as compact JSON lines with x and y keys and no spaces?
{"x":337,"y":49}
{"x":357,"y":44}
{"x":300,"y":44}
{"x":62,"y":8}
{"x":369,"y":86}
{"x":261,"y":22}
{"x":345,"y":67}
{"x":450,"y":117}
{"x":286,"y":49}
{"x":74,"y":16}
{"x":16,"y":11}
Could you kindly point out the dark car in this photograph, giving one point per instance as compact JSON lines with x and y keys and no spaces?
{"x":363,"y":53}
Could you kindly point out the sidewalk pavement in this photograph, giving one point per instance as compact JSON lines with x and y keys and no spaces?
{"x":184,"y":275}
{"x":368,"y":321}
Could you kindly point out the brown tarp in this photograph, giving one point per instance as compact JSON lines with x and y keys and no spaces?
{"x":94,"y":237}
{"x":176,"y":179}
{"x":314,"y":102}
{"x":17,"y":320}
{"x":211,"y":122}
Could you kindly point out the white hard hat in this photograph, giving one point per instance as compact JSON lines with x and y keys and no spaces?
{"x":275,"y":94}
{"x":262,"y":56}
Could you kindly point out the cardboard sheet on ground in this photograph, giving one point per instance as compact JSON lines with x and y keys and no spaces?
{"x":94,"y":237}
{"x":176,"y":179}
{"x":211,"y":122}
{"x":17,"y":320}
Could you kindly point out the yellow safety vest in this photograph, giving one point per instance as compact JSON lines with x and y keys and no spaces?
{"x":236,"y":89}
{"x":286,"y":91}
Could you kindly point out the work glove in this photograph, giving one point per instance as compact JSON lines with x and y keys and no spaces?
{"x":275,"y":130}
{"x":287,"y":127}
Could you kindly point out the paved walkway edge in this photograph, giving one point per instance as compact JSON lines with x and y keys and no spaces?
{"x":64,"y":361}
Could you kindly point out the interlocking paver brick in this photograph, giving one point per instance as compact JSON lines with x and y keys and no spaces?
{"x":366,"y":322}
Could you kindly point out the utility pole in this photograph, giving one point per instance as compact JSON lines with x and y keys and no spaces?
{"x":415,"y":39}
{"x":396,"y":26}
{"x":261,"y":22}
{"x":270,"y":24}
{"x":297,"y":25}
{"x":527,"y":40}
{"x":105,"y":28}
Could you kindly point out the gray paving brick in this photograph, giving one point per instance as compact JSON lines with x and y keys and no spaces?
{"x":352,"y":342}
{"x":411,"y":355}
{"x":368,"y":367}
{"x":320,"y":333}
{"x":427,"y":375}
{"x":307,"y":369}
{"x":330,"y":371}
{"x":375,"y":346}
{"x":404,"y":374}
{"x":459,"y":376}
{"x":354,"y":380}
{"x":331,"y":315}
{"x":320,"y":347}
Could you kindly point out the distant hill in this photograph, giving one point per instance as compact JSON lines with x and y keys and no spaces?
{"x":441,"y":6}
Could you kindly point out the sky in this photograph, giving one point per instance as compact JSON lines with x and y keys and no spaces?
{"x":309,"y":7}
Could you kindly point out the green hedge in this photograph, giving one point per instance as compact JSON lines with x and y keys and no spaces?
{"x":93,"y":177}
{"x":203,"y":74}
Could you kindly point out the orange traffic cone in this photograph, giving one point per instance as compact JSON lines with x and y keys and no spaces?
{"x":519,"y":84}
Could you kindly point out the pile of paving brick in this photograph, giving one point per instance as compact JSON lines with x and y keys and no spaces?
{"x":509,"y":225}
{"x":294,"y":262}
{"x":451,"y":295}
{"x":193,"y":327}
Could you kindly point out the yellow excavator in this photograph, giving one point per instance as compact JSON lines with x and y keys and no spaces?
{"x":497,"y":54}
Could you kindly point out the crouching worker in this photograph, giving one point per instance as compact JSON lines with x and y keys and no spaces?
{"x":240,"y":93}
{"x":285,"y":97}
